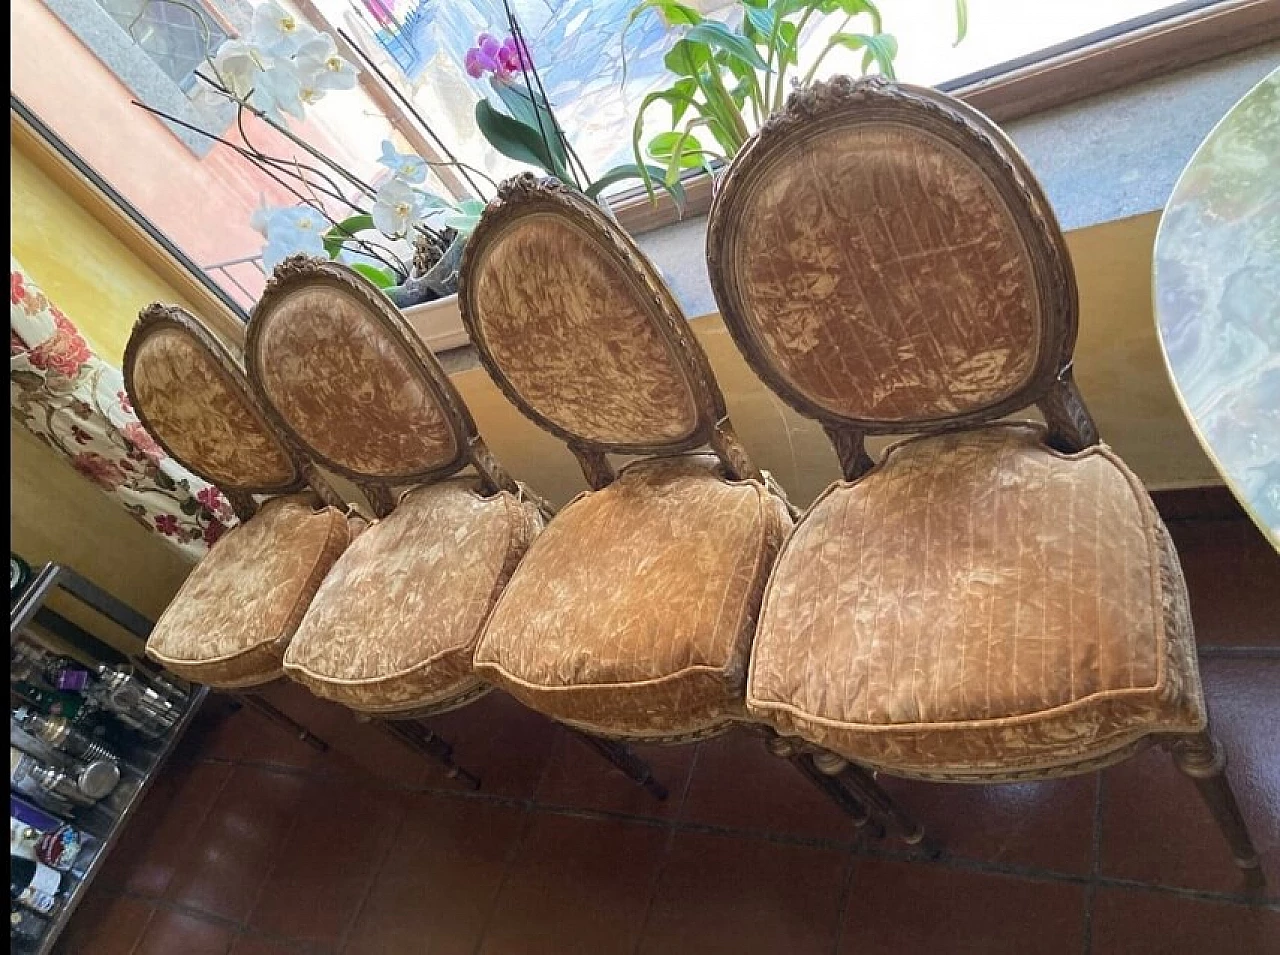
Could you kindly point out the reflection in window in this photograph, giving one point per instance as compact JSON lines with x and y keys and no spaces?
{"x":172,"y":35}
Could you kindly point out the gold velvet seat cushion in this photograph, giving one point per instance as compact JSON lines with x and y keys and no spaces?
{"x":979,"y":606}
{"x":229,"y":624}
{"x":394,"y":626}
{"x":632,"y":614}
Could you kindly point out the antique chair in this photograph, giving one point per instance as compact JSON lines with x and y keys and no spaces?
{"x":991,"y":601}
{"x":392,"y":629}
{"x":632,"y":615}
{"x":229,"y":623}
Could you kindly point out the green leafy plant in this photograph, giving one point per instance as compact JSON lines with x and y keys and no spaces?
{"x":727,"y":81}
{"x":526,"y":129}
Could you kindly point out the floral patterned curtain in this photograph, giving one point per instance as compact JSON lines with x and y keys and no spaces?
{"x":75,"y":403}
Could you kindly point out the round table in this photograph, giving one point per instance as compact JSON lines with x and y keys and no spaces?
{"x":1217,"y":299}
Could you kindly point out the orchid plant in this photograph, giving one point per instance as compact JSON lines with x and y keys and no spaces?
{"x":282,"y":66}
{"x":727,"y":81}
{"x":527,"y":130}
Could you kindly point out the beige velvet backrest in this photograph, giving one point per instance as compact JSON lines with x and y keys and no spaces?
{"x":887,"y":262}
{"x":191,"y":394}
{"x":342,"y":372}
{"x":581,"y":333}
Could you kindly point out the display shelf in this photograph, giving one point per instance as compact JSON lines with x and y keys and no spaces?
{"x":140,"y":757}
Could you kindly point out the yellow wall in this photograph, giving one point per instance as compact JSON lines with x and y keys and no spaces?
{"x":55,"y":514}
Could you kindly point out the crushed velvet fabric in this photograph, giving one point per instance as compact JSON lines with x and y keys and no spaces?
{"x":978,"y":605}
{"x":394,"y":626}
{"x":572,"y":331}
{"x":229,"y":624}
{"x":633,"y":612}
{"x":347,"y":386}
{"x":894,"y":287}
{"x":207,"y":420}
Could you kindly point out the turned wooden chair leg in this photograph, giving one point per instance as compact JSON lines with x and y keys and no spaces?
{"x":879,"y":802}
{"x":831,"y":787}
{"x":631,"y":765}
{"x":1202,"y":758}
{"x":419,"y":738}
{"x":283,"y":720}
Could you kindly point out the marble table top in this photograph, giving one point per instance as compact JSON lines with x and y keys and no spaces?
{"x":1217,"y":299}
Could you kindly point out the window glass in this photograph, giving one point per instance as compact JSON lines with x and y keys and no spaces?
{"x":415,"y":91}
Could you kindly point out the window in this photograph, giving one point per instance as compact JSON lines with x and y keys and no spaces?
{"x":201,"y":195}
{"x":171,"y":35}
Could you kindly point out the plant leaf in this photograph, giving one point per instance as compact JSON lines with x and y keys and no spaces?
{"x":530,"y":112}
{"x":962,"y":20}
{"x":513,"y":138}
{"x":760,"y":19}
{"x":854,"y":7}
{"x":718,"y":36}
{"x":880,"y":48}
{"x":672,"y":14}
{"x":685,"y":58}
{"x":633,"y":171}
{"x":666,"y":145}
{"x":344,"y":230}
{"x":379,"y":277}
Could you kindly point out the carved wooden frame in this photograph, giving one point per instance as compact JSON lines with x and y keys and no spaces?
{"x":813,"y":111}
{"x":526,"y":195}
{"x":158,"y":317}
{"x":302,"y":271}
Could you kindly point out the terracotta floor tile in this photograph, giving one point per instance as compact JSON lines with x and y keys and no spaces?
{"x":105,"y":925}
{"x":505,"y":743}
{"x":576,"y":887}
{"x":257,"y":945}
{"x":436,"y":888}
{"x":232,"y":852}
{"x":154,"y":843}
{"x":905,"y":908}
{"x":341,"y":829}
{"x":247,"y":735}
{"x":738,"y":783}
{"x":725,"y":894}
{"x":580,"y":777}
{"x":1233,"y":576}
{"x":366,"y":751}
{"x":170,"y":932}
{"x":1046,"y":825}
{"x":1154,"y":826}
{"x":1141,"y":922}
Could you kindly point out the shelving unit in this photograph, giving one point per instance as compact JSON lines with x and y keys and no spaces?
{"x":140,"y":757}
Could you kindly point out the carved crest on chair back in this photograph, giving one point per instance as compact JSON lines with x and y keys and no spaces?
{"x":342,"y":372}
{"x":581,"y":333}
{"x":192,"y":396}
{"x":887,"y":263}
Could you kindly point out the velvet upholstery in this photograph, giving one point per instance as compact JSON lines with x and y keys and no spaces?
{"x":346,"y":384}
{"x":633,"y":612}
{"x":231,"y":620}
{"x":978,"y":605}
{"x":895,"y":287}
{"x":395,"y":623}
{"x":575,"y":335}
{"x":205,"y":419}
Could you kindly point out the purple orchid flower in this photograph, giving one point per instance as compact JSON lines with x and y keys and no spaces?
{"x":503,"y":59}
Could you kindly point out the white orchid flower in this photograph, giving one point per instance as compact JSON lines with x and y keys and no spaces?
{"x":406,"y":166}
{"x":319,"y":66}
{"x":298,"y":219}
{"x":278,"y":89}
{"x":261,"y":218}
{"x":279,"y":31}
{"x":285,"y":242}
{"x":238,"y":65}
{"x":397,"y":207}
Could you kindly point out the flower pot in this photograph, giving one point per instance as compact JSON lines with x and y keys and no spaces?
{"x":438,"y":282}
{"x":438,"y":323}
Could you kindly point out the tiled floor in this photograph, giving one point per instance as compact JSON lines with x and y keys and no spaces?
{"x":251,"y":844}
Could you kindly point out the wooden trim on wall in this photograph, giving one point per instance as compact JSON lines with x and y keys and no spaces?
{"x":215,"y":309}
{"x":1165,"y":46}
